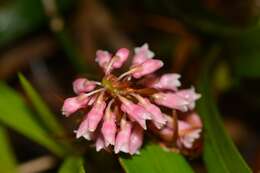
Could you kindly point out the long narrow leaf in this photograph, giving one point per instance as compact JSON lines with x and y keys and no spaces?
{"x":154,"y":159}
{"x":7,"y":159}
{"x":15,"y":114}
{"x":72,"y":165}
{"x":47,"y":117}
{"x":220,"y":153}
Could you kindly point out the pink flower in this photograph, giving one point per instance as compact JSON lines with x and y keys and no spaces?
{"x":83,"y":130}
{"x":123,"y":137}
{"x":168,"y":81}
{"x":95,"y":115}
{"x":136,"y":139}
{"x":119,"y":109}
{"x":142,"y":54}
{"x":100,"y":143}
{"x":155,"y":112}
{"x":103,"y":58}
{"x":109,"y":127}
{"x":148,"y":67}
{"x":189,"y":95}
{"x":73,"y":104}
{"x":82,"y":85}
{"x":122,"y":55}
{"x":187,"y":134}
{"x":189,"y":130}
{"x":136,"y":112}
{"x":171,"y":100}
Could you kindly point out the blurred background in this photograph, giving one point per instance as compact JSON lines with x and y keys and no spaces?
{"x":53,"y":41}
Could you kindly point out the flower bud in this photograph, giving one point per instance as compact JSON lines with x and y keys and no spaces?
{"x":103,"y":58}
{"x":171,"y":100}
{"x":72,"y":104}
{"x":95,"y":115}
{"x":82,"y":85}
{"x":109,"y":129}
{"x":123,"y":137}
{"x":168,"y":81}
{"x":100,"y":143}
{"x":189,"y":95}
{"x":149,"y":66}
{"x":121,"y":55}
{"x":142,"y":54}
{"x":136,"y":139}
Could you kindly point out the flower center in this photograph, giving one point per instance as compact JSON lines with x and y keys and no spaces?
{"x":112,"y":85}
{"x":115,"y":86}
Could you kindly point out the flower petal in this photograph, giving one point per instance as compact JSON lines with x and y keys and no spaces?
{"x":72,"y":104}
{"x":121,"y":57}
{"x":123,"y":137}
{"x":136,"y":139}
{"x":82,"y":85}
{"x":168,"y":81}
{"x":148,"y":67}
{"x":171,"y":100}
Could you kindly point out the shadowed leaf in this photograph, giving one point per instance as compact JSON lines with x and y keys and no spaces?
{"x":220,"y":153}
{"x":72,"y":165}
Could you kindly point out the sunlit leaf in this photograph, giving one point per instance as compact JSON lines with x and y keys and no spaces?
{"x":47,"y":117}
{"x":220,"y":153}
{"x":154,"y":159}
{"x":7,"y":159}
{"x":72,"y":165}
{"x":15,"y":114}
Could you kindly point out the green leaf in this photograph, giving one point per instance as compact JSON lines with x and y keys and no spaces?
{"x":47,"y":117}
{"x":154,"y":159}
{"x":15,"y":114}
{"x":7,"y":159}
{"x":72,"y":165}
{"x":220,"y":153}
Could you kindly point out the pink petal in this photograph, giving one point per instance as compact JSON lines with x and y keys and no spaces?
{"x":123,"y":137}
{"x":188,"y":139}
{"x":95,"y":115}
{"x":136,"y":139}
{"x":83,"y":130}
{"x":171,"y":100}
{"x":142,"y":54}
{"x":82,"y":85}
{"x":148,"y":67}
{"x":72,"y":104}
{"x":137,"y":114}
{"x":100,"y":143}
{"x":194,"y":120}
{"x":166,"y":133}
{"x":183,"y":126}
{"x":122,"y":55}
{"x":103,"y":58}
{"x":109,"y":130}
{"x":92,"y":100}
{"x":189,"y":95}
{"x":157,"y":117}
{"x":168,"y":81}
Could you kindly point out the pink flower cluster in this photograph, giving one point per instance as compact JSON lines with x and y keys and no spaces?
{"x":122,"y":107}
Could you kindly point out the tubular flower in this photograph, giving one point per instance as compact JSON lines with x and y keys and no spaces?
{"x":121,"y":108}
